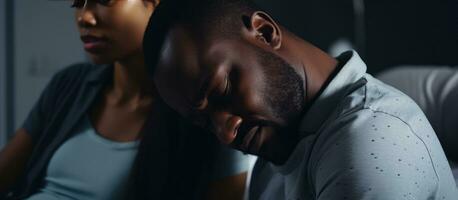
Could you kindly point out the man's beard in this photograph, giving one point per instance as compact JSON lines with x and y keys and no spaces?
{"x":284,"y":91}
{"x":284,"y":96}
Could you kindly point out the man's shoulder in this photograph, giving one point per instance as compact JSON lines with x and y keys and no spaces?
{"x":368,"y":136}
{"x":368,"y":150}
{"x":385,"y":98}
{"x":380,"y":143}
{"x":376,"y":98}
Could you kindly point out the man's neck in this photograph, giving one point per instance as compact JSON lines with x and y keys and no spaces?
{"x":316,"y":69}
{"x":312,"y":64}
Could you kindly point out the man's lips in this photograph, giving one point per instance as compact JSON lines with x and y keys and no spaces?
{"x":247,"y":138}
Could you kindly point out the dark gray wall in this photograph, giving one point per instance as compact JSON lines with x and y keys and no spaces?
{"x":413,"y":32}
{"x":392,"y":32}
{"x":37,"y":38}
{"x":46,"y":40}
{"x":320,"y":22}
{"x":3,"y":132}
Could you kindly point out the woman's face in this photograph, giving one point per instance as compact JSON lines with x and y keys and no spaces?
{"x":112,"y":30}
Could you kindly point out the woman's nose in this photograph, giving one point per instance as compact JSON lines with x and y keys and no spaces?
{"x":86,"y":17}
{"x":226,"y":126}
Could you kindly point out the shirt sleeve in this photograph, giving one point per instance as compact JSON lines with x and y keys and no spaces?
{"x":36,"y":120}
{"x":377,"y":156}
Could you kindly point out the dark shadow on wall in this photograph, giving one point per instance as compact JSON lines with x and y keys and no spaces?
{"x":320,"y":22}
{"x":397,"y":32}
{"x":9,"y":68}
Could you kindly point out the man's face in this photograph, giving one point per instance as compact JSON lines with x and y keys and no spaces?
{"x":249,"y":97}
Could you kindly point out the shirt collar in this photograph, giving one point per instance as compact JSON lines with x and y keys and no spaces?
{"x":100,"y":74}
{"x":353,"y":70}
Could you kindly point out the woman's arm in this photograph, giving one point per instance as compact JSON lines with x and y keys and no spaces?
{"x":230,"y":188}
{"x":229,"y":174}
{"x":13,"y":159}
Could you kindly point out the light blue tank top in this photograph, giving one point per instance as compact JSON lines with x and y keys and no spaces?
{"x":88,"y":166}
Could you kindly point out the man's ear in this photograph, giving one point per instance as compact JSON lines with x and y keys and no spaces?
{"x":264,"y":29}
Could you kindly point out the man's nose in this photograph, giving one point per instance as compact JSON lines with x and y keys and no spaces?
{"x":225,"y":126}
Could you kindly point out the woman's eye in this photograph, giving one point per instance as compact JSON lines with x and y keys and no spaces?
{"x":104,"y":2}
{"x":80,"y":3}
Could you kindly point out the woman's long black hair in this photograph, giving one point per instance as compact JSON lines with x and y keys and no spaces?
{"x":172,"y":159}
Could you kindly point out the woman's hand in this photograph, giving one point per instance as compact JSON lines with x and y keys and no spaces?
{"x":13,"y":159}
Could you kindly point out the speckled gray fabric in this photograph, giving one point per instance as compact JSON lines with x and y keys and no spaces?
{"x":435,"y":90}
{"x":362,"y":139}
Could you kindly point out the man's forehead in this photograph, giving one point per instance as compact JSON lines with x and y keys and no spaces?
{"x":190,"y":56}
{"x":180,"y":69}
{"x":180,"y":54}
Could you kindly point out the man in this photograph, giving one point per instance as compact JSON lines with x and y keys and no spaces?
{"x":321,"y":126}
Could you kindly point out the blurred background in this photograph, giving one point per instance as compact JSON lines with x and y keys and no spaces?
{"x":39,"y":37}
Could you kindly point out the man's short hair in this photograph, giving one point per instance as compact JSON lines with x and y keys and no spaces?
{"x":214,"y":16}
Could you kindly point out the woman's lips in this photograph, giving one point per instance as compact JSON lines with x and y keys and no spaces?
{"x":93,"y":44}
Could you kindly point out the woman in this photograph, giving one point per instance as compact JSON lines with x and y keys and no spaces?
{"x":98,"y":130}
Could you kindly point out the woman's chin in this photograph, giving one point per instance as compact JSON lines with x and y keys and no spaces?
{"x":100,"y":60}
